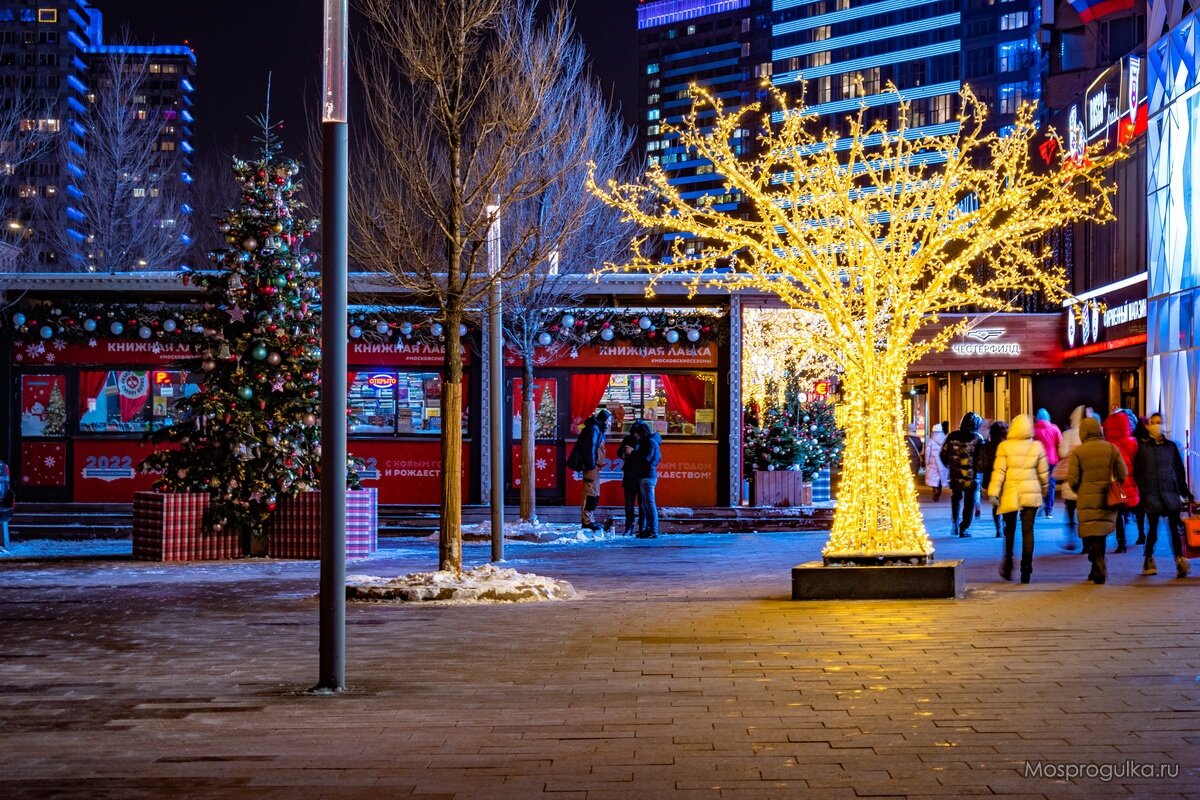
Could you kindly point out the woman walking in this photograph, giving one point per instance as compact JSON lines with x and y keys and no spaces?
{"x":1118,"y":433}
{"x":1020,"y":480}
{"x":937,"y":474}
{"x":1071,"y":441}
{"x":997,"y":433}
{"x":1093,"y":466}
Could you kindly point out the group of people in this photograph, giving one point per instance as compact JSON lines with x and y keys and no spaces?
{"x":1107,"y":473}
{"x":640,"y":452}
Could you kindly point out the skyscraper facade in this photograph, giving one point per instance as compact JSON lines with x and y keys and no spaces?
{"x":717,"y":44}
{"x":51,"y":58}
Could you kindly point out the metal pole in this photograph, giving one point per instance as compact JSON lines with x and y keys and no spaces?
{"x":496,"y":364}
{"x":333,"y":354}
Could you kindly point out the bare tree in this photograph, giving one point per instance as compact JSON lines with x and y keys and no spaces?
{"x":214,"y":191}
{"x":461,"y":95}
{"x":580,"y":233}
{"x":27,"y":136}
{"x":126,"y":207}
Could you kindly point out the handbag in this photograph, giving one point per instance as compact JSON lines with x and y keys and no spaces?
{"x":1191,"y":534}
{"x":1116,"y":490}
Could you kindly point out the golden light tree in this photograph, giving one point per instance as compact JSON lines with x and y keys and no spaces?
{"x":878,"y":233}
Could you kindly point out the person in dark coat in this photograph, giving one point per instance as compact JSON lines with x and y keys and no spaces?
{"x":631,"y":476}
{"x":960,"y":454}
{"x":997,"y":433}
{"x":1092,"y":467}
{"x":1141,"y":435}
{"x":649,"y":455}
{"x":589,"y":450}
{"x":1161,"y":480}
{"x":916,"y":449}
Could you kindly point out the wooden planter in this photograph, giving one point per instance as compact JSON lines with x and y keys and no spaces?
{"x":175,"y":527}
{"x":781,"y":488}
{"x":295,"y":529}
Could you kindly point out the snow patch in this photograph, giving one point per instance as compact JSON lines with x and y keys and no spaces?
{"x":541,"y":532}
{"x":486,"y":584}
{"x":68,"y":548}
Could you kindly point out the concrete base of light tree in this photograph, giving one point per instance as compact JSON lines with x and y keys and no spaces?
{"x":884,"y":581}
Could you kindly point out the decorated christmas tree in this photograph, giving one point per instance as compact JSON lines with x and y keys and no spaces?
{"x":547,"y":414}
{"x":56,"y":413}
{"x":819,"y":439}
{"x":250,"y":434}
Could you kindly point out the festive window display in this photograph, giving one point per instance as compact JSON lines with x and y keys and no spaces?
{"x":43,"y":409}
{"x":372,"y":402}
{"x":673,"y":404}
{"x":124,"y":401}
{"x":545,"y":404}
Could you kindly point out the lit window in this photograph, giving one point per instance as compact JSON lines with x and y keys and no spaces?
{"x":652,"y":114}
{"x":166,"y":146}
{"x":673,"y":404}
{"x":124,"y":401}
{"x":691,"y":29}
{"x":651,"y":69}
{"x":141,"y":113}
{"x":139,"y":192}
{"x":48,"y":15}
{"x":652,"y":99}
{"x":155,"y":68}
{"x":1011,"y":22}
{"x":27,"y":190}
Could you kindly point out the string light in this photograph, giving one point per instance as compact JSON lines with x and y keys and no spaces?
{"x":877,"y":245}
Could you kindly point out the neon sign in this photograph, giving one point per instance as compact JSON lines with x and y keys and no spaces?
{"x":984,"y":346}
{"x":382,"y":381}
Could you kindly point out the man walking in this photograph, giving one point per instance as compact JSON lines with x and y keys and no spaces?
{"x":960,"y":454}
{"x":1158,"y":470}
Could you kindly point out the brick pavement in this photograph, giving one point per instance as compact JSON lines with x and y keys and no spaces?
{"x":683,"y":671}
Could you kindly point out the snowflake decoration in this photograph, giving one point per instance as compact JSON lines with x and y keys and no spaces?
{"x":59,"y":345}
{"x":51,"y":358}
{"x":19,"y":357}
{"x":50,"y":461}
{"x":541,"y":464}
{"x":91,"y":342}
{"x":34,"y":350}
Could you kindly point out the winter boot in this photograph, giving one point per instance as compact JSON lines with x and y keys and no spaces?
{"x":1148,"y":567}
{"x":1181,"y":567}
{"x":1006,"y":568}
{"x":1099,"y":570}
{"x":1025,"y":575}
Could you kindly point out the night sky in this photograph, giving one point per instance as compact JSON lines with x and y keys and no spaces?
{"x":238,"y":42}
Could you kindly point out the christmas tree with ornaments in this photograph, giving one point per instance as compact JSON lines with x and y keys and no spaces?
{"x":250,"y":435}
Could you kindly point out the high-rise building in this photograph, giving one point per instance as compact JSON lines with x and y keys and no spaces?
{"x":51,"y":57}
{"x":840,"y":55}
{"x":718,"y":44}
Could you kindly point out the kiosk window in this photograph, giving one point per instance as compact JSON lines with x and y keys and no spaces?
{"x":129,"y":401}
{"x":674,"y":404}
{"x":372,"y":402}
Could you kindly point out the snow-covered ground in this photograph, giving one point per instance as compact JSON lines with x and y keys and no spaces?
{"x":68,"y":548}
{"x":486,"y":584}
{"x":541,"y":532}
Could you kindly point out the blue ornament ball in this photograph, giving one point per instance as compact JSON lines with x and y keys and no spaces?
{"x":245,"y":392}
{"x":46,"y":332}
{"x":89,"y":324}
{"x":19,"y":319}
{"x":117,"y":328}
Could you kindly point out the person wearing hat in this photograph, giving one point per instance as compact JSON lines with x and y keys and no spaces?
{"x":586,"y":457}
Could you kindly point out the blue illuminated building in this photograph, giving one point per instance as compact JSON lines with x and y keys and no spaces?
{"x":49,"y":54}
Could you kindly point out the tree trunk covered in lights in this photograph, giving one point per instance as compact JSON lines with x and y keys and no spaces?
{"x":528,"y":441}
{"x":877,"y":512}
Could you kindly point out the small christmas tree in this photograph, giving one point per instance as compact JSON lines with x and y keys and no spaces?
{"x":250,"y":435}
{"x":56,"y":413}
{"x":820,"y":441}
{"x":546,"y":421}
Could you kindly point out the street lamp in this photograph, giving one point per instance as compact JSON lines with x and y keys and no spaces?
{"x":496,"y":368}
{"x":333,"y":351}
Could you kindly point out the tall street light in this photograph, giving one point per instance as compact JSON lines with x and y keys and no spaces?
{"x":496,"y":369}
{"x":333,"y":351}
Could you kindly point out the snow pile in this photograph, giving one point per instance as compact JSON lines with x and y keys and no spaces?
{"x":676,"y":512}
{"x":486,"y":584}
{"x":540,"y":532}
{"x":67,"y":548}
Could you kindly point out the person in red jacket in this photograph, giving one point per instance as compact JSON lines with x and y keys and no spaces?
{"x":1118,"y":433}
{"x":1051,"y":437}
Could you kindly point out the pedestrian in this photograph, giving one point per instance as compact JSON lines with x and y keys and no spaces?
{"x":1161,"y":480}
{"x":997,"y":433}
{"x":649,"y":454}
{"x":1071,"y":441}
{"x":916,"y":449}
{"x":631,"y":476}
{"x":586,"y":457}
{"x":936,"y":473}
{"x":1020,"y":480}
{"x":1094,"y":465}
{"x":1142,"y":435}
{"x":1051,"y":438}
{"x":960,"y":454}
{"x":1119,"y":434}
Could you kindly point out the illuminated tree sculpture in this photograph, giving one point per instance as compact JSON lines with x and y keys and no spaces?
{"x":879,"y":234}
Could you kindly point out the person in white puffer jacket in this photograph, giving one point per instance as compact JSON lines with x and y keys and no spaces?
{"x":1020,"y":481}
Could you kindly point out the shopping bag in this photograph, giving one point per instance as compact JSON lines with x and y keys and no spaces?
{"x":1191,"y":535}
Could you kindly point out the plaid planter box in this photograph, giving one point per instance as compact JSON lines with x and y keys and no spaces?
{"x":295,"y":529}
{"x":821,"y":492}
{"x":174,"y":527}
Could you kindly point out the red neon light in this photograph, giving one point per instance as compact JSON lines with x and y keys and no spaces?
{"x":1100,"y":347}
{"x":161,"y":378}
{"x":382,"y":381}
{"x":821,"y":388}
